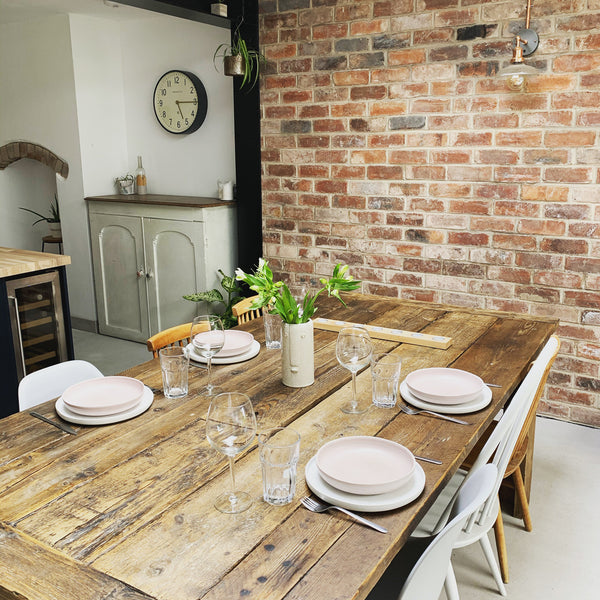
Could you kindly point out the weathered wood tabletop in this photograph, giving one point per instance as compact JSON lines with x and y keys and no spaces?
{"x":125,"y":511}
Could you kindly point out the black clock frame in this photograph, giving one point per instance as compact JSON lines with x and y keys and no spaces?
{"x":202,"y":102}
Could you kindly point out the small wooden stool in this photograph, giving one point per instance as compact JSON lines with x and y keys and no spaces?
{"x":52,"y":239}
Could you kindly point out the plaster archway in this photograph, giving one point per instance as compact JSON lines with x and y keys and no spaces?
{"x":13,"y":151}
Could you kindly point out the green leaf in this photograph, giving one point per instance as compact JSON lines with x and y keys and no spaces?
{"x":212,"y":296}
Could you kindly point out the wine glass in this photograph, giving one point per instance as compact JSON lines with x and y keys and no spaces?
{"x":353,"y":350}
{"x":208,"y":337}
{"x":230,"y":429}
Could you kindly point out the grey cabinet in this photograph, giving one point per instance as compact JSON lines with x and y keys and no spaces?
{"x":147,"y":257}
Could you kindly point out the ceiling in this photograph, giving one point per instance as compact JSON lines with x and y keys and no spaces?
{"x":12,"y":11}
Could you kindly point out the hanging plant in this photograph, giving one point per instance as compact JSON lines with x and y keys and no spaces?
{"x":240,"y":60}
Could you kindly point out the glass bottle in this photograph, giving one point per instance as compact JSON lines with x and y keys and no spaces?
{"x":140,"y":177}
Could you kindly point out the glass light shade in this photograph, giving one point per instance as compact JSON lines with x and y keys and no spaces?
{"x":516,"y":75}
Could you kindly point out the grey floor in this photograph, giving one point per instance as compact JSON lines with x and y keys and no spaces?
{"x":559,"y":559}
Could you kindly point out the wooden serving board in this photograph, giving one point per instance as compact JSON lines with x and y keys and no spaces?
{"x":385,"y":333}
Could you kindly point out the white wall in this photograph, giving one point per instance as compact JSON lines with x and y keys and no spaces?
{"x":82,"y":87}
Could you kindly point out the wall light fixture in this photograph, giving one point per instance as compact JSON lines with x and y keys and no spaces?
{"x":525,"y":43}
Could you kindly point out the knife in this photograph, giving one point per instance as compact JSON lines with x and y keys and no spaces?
{"x":55,"y":423}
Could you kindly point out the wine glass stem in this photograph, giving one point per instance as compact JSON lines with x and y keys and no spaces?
{"x":354,"y":388}
{"x":208,"y":364}
{"x":232,"y":476}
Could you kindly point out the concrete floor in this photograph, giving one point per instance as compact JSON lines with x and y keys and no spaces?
{"x":558,"y":560}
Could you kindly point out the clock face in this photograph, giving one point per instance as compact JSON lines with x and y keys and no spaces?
{"x":180,"y":102}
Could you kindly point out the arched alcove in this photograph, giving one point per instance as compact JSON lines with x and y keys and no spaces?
{"x":13,"y":151}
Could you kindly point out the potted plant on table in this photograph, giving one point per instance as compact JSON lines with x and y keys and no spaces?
{"x":240,"y":60}
{"x":297,"y":356}
{"x":53,"y":219}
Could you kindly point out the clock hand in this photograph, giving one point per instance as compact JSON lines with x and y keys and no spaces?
{"x":179,"y":108}
{"x":187,"y":101}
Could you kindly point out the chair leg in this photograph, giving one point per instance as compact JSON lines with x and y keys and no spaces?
{"x":450,"y":584}
{"x":520,"y":487}
{"x":484,"y":542}
{"x":501,"y":546}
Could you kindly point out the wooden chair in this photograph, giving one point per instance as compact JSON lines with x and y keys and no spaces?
{"x":178,"y":335}
{"x":522,"y":448}
{"x":243,"y":312}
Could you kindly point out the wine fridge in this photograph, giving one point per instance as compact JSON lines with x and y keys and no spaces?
{"x":39,"y":326}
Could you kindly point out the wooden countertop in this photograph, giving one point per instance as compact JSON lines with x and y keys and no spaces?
{"x":14,"y":261}
{"x":161,"y":200}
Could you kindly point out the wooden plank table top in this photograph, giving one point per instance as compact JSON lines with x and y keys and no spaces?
{"x":125,"y":511}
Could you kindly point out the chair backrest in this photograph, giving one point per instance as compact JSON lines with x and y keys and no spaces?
{"x":243,"y":312}
{"x":499,"y":447}
{"x":51,"y":382}
{"x":178,"y":335}
{"x":427,"y":577}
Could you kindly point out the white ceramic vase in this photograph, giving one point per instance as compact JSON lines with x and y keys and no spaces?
{"x":298,"y":354}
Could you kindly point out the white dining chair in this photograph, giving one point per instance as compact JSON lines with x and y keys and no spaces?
{"x":497,"y":450}
{"x":52,"y":381}
{"x":422,"y":564}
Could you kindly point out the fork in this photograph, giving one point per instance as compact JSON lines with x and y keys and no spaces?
{"x":319,"y":507}
{"x":413,"y":411}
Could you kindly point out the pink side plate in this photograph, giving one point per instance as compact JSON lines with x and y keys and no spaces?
{"x":365,"y":465}
{"x":444,"y":386}
{"x":103,"y":395}
{"x":236,"y":342}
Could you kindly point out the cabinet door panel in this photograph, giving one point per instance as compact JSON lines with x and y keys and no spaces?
{"x":175,"y":262}
{"x":118,"y":253}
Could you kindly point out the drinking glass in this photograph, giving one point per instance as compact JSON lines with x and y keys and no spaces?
{"x":208,"y":337}
{"x":353,"y":350}
{"x":230,"y":429}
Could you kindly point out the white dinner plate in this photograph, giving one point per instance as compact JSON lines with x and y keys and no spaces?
{"x":103,"y":395}
{"x":229,"y":360}
{"x":375,"y":503}
{"x":441,"y":385}
{"x":481,"y":401}
{"x":142,"y":406}
{"x":365,"y":465}
{"x":236,"y":342}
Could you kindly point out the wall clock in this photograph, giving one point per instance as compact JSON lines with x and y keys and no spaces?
{"x":180,"y":102}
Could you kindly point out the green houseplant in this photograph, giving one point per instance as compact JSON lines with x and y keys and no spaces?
{"x":233,"y":291}
{"x":238,"y":59}
{"x":52,"y":219}
{"x":297,"y":341}
{"x":278,"y":297}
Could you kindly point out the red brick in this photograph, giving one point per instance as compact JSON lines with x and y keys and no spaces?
{"x":368,"y":157}
{"x":465,"y":173}
{"x":408,"y":157}
{"x":556,"y":279}
{"x":546,"y":157}
{"x":274,"y":52}
{"x":371,"y":92}
{"x":495,"y":191}
{"x":585,"y":299}
{"x":492,"y":224}
{"x":428,"y":172}
{"x":575,"y":63}
{"x":406,"y":57}
{"x":346,"y":172}
{"x":576,"y":100}
{"x":384,"y":172}
{"x":329,"y":31}
{"x":388,"y":108}
{"x":509,"y":274}
{"x":541,"y":227}
{"x":496,"y":121}
{"x":518,"y":174}
{"x":564,"y":246}
{"x":313,"y":111}
{"x":392,"y":75}
{"x":351,"y":77}
{"x":514,"y":242}
{"x":498,"y":157}
{"x":570,"y":138}
{"x":313,"y":171}
{"x":569,"y":175}
{"x":369,"y":27}
{"x":331,"y":187}
{"x":468,"y":239}
{"x":545,"y":193}
{"x":349,"y":109}
{"x":519,"y":138}
{"x":474,"y":139}
{"x":469,"y":207}
{"x":519,"y":102}
{"x":387,"y":140}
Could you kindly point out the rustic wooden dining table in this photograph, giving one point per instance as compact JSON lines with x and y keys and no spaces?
{"x":125,"y":511}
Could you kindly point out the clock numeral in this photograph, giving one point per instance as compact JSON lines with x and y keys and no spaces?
{"x":163,"y":92}
{"x":168,"y":83}
{"x":193,"y":113}
{"x":164,"y":113}
{"x":187,"y":122}
{"x":160,"y":103}
{"x":178,"y":124}
{"x":176,"y":79}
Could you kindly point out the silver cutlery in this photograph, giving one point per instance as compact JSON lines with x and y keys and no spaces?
{"x":412,"y":411}
{"x":55,"y":423}
{"x":319,"y":507}
{"x":492,"y":385}
{"x":429,"y":460}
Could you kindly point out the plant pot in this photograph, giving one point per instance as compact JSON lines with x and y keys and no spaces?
{"x":233,"y":65}
{"x":54,"y":229}
{"x":125,"y":187}
{"x":297,"y":354}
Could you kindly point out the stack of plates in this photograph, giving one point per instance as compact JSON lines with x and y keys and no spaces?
{"x":365,"y":473}
{"x":444,"y":390}
{"x":104,"y":400}
{"x":239,"y":346}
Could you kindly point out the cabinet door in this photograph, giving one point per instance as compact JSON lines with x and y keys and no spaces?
{"x":175,"y":266}
{"x":118,"y":254}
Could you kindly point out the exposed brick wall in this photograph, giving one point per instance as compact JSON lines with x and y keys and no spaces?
{"x":389,"y":143}
{"x":14,"y":151}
